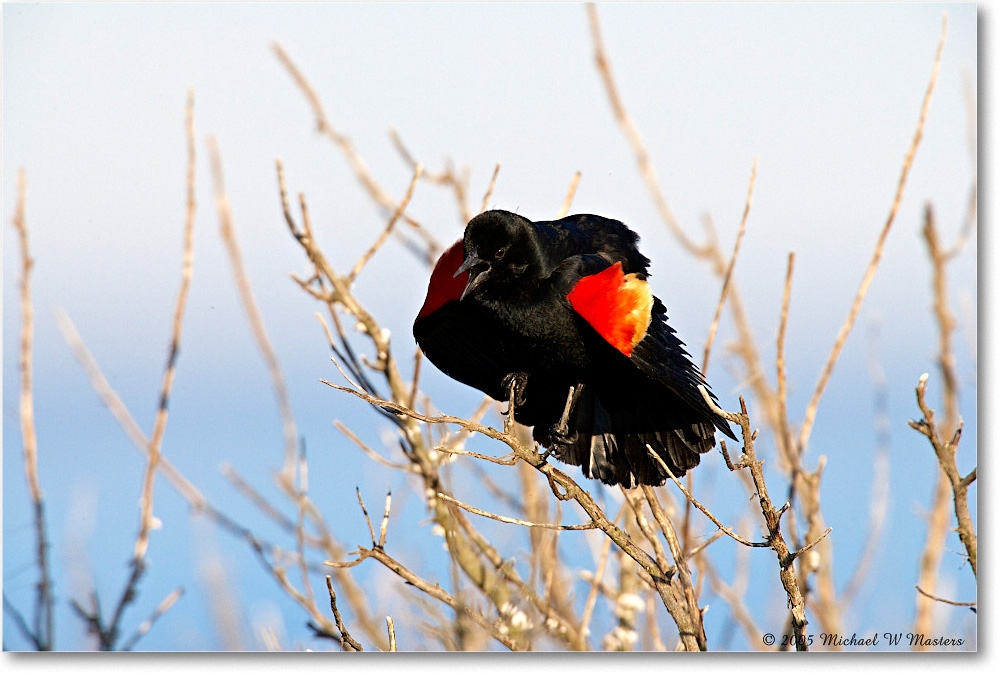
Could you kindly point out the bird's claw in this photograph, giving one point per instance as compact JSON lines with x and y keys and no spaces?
{"x":514,"y":384}
{"x":560,"y":435}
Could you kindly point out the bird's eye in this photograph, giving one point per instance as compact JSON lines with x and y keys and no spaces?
{"x":501,"y":252}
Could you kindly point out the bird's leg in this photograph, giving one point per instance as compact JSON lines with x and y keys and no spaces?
{"x":560,"y":432}
{"x":515,"y":384}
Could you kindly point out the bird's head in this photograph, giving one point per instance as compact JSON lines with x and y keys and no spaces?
{"x":500,"y":250}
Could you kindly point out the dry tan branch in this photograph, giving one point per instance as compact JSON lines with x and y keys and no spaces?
{"x":772,"y":517}
{"x":347,"y":643}
{"x":250,"y":308}
{"x":686,"y":588}
{"x":722,"y":528}
{"x":361,"y":171}
{"x":160,"y":424}
{"x":433,"y":590}
{"x":944,"y":492}
{"x":944,"y":600}
{"x":729,"y":270}
{"x":512,"y":521}
{"x":635,"y":138}
{"x":784,"y":431}
{"x":41,"y":634}
{"x":367,"y":450}
{"x":866,"y":281}
{"x":570,"y":193}
{"x":400,"y":210}
{"x":571,"y":490}
{"x":391,"y":627}
{"x":588,"y":607}
{"x":489,"y":190}
{"x":946,"y":451}
{"x":146,"y":625}
{"x":27,"y":407}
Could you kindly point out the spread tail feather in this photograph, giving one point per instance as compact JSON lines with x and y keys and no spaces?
{"x":613,"y":443}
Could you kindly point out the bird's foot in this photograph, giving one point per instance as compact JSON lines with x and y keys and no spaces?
{"x":514,"y":383}
{"x":560,"y":435}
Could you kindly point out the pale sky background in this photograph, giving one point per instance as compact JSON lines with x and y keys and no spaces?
{"x":826,"y":96}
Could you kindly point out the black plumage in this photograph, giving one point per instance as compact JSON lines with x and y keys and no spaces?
{"x":564,"y":306}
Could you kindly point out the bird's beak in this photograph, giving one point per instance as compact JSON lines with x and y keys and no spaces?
{"x":475,"y":277}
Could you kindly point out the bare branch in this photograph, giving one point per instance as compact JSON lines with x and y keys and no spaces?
{"x":367,"y":450}
{"x":254,"y":316}
{"x":729,"y":270}
{"x":361,"y":171}
{"x":772,"y":516}
{"x":514,"y":521}
{"x":146,"y":625}
{"x":435,"y":591}
{"x":949,"y":602}
{"x":160,"y":424}
{"x":568,"y":201}
{"x":946,"y":451}
{"x":42,"y":633}
{"x":635,"y":138}
{"x":417,"y":171}
{"x":345,"y":638}
{"x":392,"y":633}
{"x":368,"y":520}
{"x":698,"y":505}
{"x":489,"y":190}
{"x":866,"y":281}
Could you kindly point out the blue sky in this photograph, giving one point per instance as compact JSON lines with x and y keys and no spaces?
{"x":825,"y":96}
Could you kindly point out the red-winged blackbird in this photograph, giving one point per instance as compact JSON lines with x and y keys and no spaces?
{"x":560,"y":314}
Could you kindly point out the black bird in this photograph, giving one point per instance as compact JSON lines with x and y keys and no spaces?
{"x":559,"y":316}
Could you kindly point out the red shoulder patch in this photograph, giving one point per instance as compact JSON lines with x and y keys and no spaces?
{"x":444,"y":286}
{"x":618,"y":306}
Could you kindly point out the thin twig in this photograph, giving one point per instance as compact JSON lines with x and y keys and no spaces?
{"x":510,"y":459}
{"x":866,"y":281}
{"x":367,"y":450}
{"x":400,"y":210}
{"x":514,"y":521}
{"x":27,"y":332}
{"x":433,"y":590}
{"x":303,"y":504}
{"x":784,"y":431}
{"x":489,"y":190}
{"x":944,"y":600}
{"x":345,"y":638}
{"x":879,"y":503}
{"x":698,"y":505}
{"x":252,"y":311}
{"x":634,"y":137}
{"x":368,"y":520}
{"x":729,"y":269}
{"x":42,"y":634}
{"x":771,"y":515}
{"x":946,"y":451}
{"x":146,"y":625}
{"x":570,"y":193}
{"x":385,"y":520}
{"x":361,"y":171}
{"x":391,"y":627}
{"x":602,"y":561}
{"x":160,"y":424}
{"x":944,"y":488}
{"x":690,"y":599}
